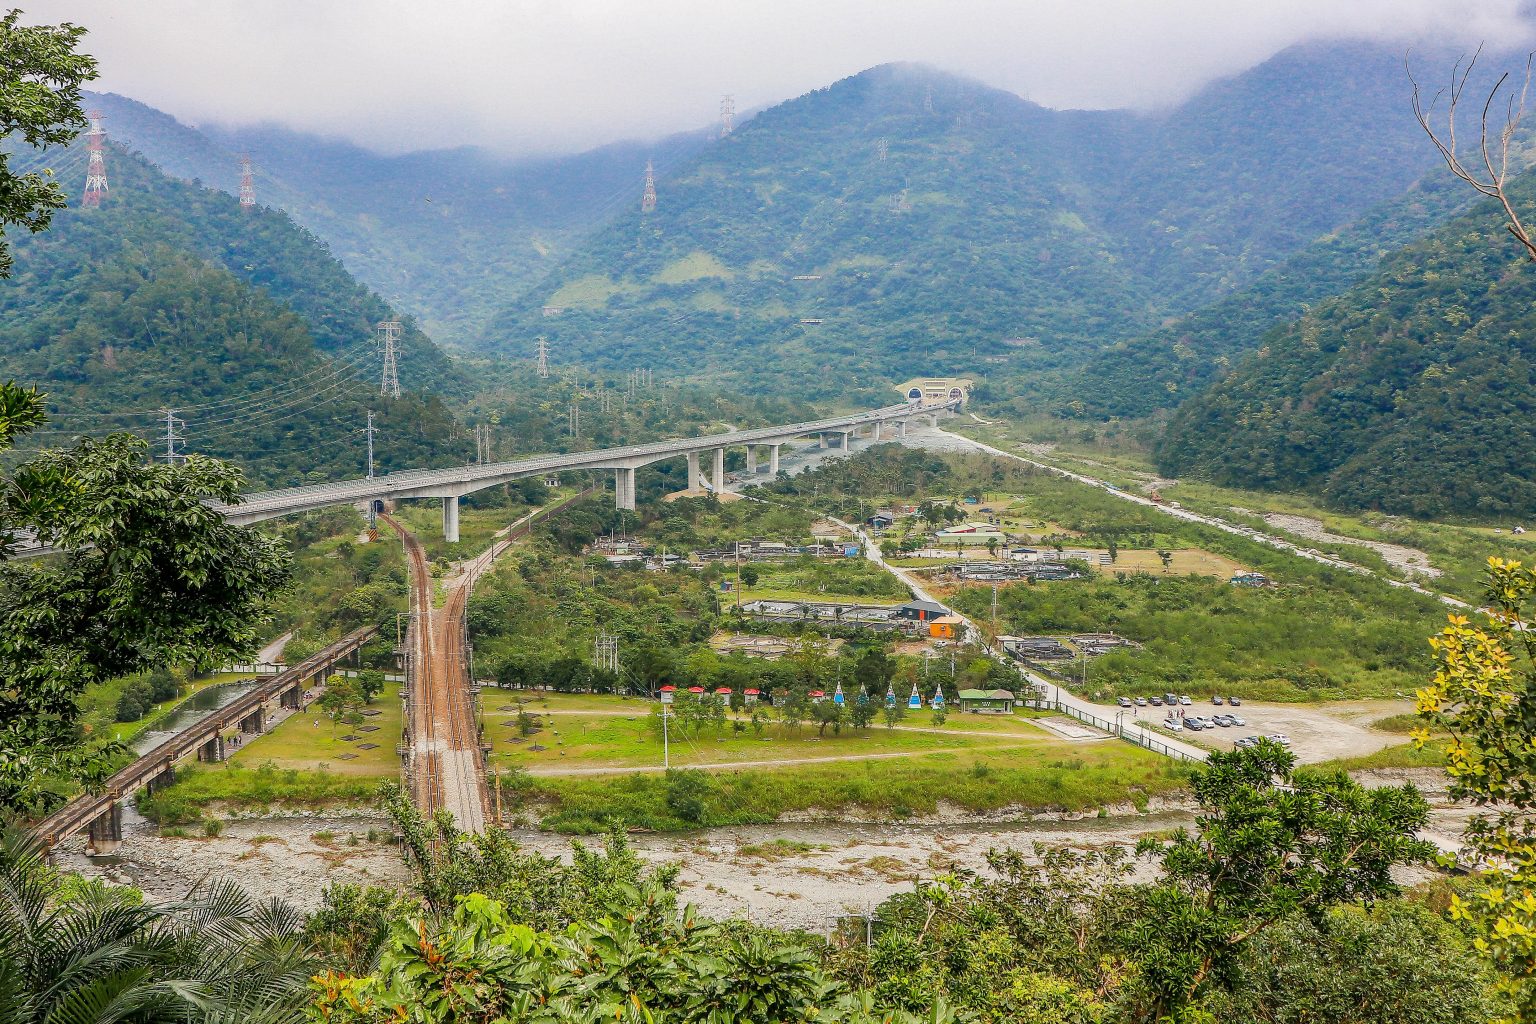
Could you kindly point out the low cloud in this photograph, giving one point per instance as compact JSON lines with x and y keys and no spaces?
{"x":526,"y":76}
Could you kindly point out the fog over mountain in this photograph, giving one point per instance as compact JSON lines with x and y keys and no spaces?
{"x":558,"y":77}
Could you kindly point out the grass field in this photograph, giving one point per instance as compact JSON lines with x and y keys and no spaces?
{"x":1458,"y":549}
{"x":587,"y":740}
{"x":1049,"y":775}
{"x":298,"y":743}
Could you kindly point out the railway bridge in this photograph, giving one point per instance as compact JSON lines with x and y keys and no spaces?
{"x":101,"y":814}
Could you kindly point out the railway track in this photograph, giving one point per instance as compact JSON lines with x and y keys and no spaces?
{"x":444,"y":755}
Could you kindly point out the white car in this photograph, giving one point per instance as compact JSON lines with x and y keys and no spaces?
{"x":1173,"y":725}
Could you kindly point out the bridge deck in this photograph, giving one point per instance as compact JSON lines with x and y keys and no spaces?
{"x":84,"y":808}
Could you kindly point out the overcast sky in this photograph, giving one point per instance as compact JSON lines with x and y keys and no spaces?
{"x":523,"y":76}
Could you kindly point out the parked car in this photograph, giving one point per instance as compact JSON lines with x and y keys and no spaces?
{"x":1170,"y":698}
{"x":1246,"y":741}
{"x":1216,"y":701}
{"x":1124,"y":702}
{"x":1237,"y":720}
{"x":1193,"y":724}
{"x":1234,"y":702}
{"x":1223,"y":721}
{"x":1173,"y":725}
{"x":1280,"y":738}
{"x":1141,"y":702}
{"x":1157,"y":702}
{"x":1184,"y":700}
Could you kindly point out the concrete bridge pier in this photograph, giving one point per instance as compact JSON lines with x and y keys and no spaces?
{"x":213,"y":750}
{"x":847,"y":440}
{"x":106,"y":831}
{"x":693,"y":471}
{"x":751,"y":460}
{"x":255,"y":722}
{"x":718,"y":470}
{"x":451,"y":519}
{"x":624,"y":489}
{"x":773,"y":460}
{"x":874,"y":434}
{"x":901,"y":428}
{"x":289,"y":698}
{"x":158,"y":782}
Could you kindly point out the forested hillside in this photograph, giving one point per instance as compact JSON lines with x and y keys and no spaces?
{"x":987,"y":235}
{"x":171,"y":295}
{"x":1411,"y":393}
{"x":446,"y":235}
{"x":1163,"y":368}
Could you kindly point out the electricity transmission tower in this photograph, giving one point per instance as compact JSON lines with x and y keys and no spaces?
{"x":96,"y":169}
{"x":247,"y":183}
{"x":648,"y":197}
{"x":881,"y":148}
{"x":173,"y":437}
{"x":542,"y":354}
{"x":727,"y":116}
{"x":389,"y":338}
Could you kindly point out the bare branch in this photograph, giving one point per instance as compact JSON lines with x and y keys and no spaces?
{"x":1491,"y":179}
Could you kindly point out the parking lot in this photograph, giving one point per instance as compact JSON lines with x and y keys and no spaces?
{"x":1317,"y":732}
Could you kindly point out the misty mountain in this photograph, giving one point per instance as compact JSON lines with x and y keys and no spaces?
{"x":1410,"y":393}
{"x":1161,"y":369}
{"x":446,"y":235}
{"x":171,"y":295}
{"x":995,"y":236}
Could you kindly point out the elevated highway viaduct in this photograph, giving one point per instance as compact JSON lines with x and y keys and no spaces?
{"x":452,"y":484}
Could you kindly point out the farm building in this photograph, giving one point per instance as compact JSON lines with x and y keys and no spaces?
{"x":987,"y":702}
{"x":946,"y":627}
{"x":921,"y":611}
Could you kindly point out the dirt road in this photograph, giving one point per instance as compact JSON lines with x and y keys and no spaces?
{"x":444,"y":769}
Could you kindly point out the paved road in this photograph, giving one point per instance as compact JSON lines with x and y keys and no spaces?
{"x":961,"y":441}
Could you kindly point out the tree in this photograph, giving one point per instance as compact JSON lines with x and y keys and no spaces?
{"x":1166,"y":557}
{"x":149,"y":574}
{"x":40,"y":78}
{"x":861,"y":713}
{"x":97,"y":954}
{"x":748,"y":575}
{"x":342,"y":699}
{"x":1271,"y":842}
{"x":370,"y":683}
{"x":1481,"y":695}
{"x":874,"y":669}
{"x":893,"y":712}
{"x":828,"y":713}
{"x":1489,"y":179}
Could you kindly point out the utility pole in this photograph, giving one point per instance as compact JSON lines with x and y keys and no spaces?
{"x":247,"y":184}
{"x":727,"y":116}
{"x":389,"y":339}
{"x":541,"y":353}
{"x":574,"y":416}
{"x":648,"y":197}
{"x":172,"y":437}
{"x":96,"y":169}
{"x":370,"y":453}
